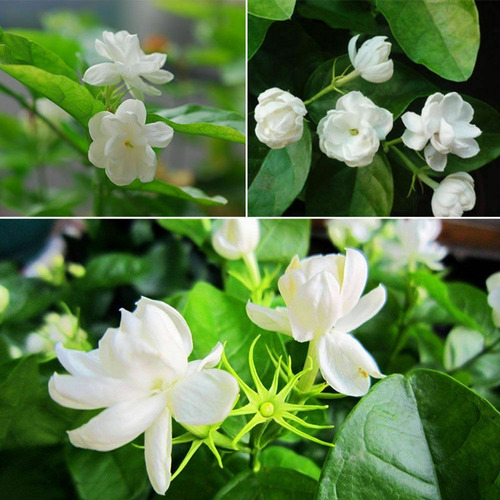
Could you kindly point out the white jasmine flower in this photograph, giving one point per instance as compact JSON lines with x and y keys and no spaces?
{"x":140,"y":373}
{"x":415,"y":242}
{"x":454,"y":196}
{"x":352,"y":132}
{"x":372,"y":60}
{"x":445,"y":121}
{"x":236,"y":238}
{"x":130,"y":64}
{"x":340,"y":230}
{"x":493,"y":287}
{"x":123,"y":143}
{"x":324,"y":303}
{"x":280,"y":118}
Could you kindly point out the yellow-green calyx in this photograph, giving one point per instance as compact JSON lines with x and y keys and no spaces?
{"x":272,"y":404}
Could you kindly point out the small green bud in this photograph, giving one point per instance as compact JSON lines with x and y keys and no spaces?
{"x":266,"y":409}
{"x":76,"y":270}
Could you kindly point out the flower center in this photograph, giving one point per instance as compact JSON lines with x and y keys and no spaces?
{"x":128,"y":144}
{"x":354,"y":131}
{"x":363,"y":373}
{"x":266,"y":409}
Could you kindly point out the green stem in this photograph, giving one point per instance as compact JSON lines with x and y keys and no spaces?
{"x":307,"y":380}
{"x":346,"y":79}
{"x":32,"y":109}
{"x":388,"y":144}
{"x":254,"y":272}
{"x":413,"y":168}
{"x":321,"y":93}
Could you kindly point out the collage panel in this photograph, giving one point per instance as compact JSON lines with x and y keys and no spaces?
{"x":339,"y":358}
{"x":95,"y":120}
{"x":373,"y":108}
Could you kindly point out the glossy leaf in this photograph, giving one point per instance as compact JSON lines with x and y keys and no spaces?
{"x":202,"y":120}
{"x":281,"y":178}
{"x":279,"y":456}
{"x":22,"y":51}
{"x":273,"y":483}
{"x":420,"y":436}
{"x":197,"y":230}
{"x":188,"y":193}
{"x":277,"y":10}
{"x":356,"y":16}
{"x":395,"y":95}
{"x":257,"y":29}
{"x":74,"y":98}
{"x":113,"y":475}
{"x":334,"y":189}
{"x":444,"y":36}
{"x":282,"y":239}
{"x":461,"y":346}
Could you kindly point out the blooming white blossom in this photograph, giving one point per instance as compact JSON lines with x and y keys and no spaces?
{"x":324,"y":304}
{"x":372,"y":60}
{"x":140,"y":373}
{"x":236,"y":238}
{"x":415,"y":242}
{"x":454,"y":196}
{"x":361,"y":230}
{"x":280,"y":118}
{"x":446,"y":122}
{"x":493,"y":287}
{"x":123,"y":143}
{"x":352,"y":132}
{"x":130,"y":64}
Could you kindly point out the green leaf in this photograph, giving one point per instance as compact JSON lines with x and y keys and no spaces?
{"x":273,"y":483}
{"x":113,"y":269}
{"x":277,"y":10}
{"x":280,"y":178}
{"x":281,"y":239}
{"x":466,"y":304}
{"x":197,"y":230}
{"x":67,"y":94}
{"x":12,"y":131}
{"x":64,"y":47}
{"x":488,"y":120}
{"x":335,"y":189}
{"x":188,"y":193}
{"x":113,"y":475}
{"x":26,"y":52}
{"x":461,"y":345}
{"x":443,"y":36}
{"x":278,"y":456}
{"x":395,"y":95}
{"x":202,"y":120}
{"x":355,"y":16}
{"x":214,"y":316}
{"x":257,"y":29}
{"x":420,"y":436}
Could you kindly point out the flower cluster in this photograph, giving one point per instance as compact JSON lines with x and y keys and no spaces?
{"x":353,"y":131}
{"x":122,"y":142}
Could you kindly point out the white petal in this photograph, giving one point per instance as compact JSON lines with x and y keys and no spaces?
{"x":203,"y":398}
{"x":90,"y":393}
{"x":352,"y":48}
{"x":209,"y":361}
{"x":158,"y":452}
{"x":365,"y":309}
{"x":133,"y":106}
{"x":345,"y":364}
{"x":159,"y":134}
{"x":315,"y":307}
{"x":274,"y":320}
{"x":354,"y":280}
{"x":97,"y":154}
{"x":144,"y":305}
{"x":82,"y":363}
{"x":159,"y":77}
{"x":102,"y":75}
{"x":435,"y":160}
{"x":119,"y":424}
{"x":413,"y":140}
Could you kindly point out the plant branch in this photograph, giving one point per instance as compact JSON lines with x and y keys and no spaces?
{"x":413,"y":168}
